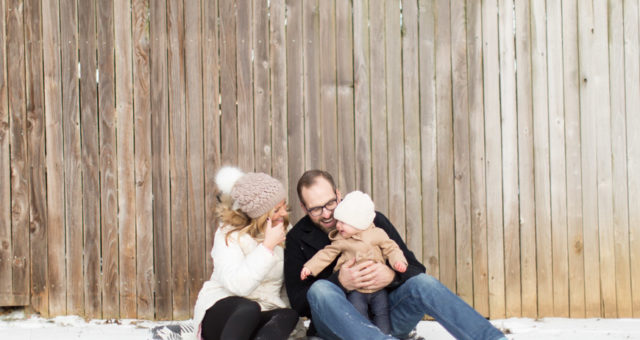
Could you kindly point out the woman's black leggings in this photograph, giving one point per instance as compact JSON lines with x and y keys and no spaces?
{"x":238,"y":318}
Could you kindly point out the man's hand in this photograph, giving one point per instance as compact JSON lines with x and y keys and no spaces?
{"x":365,"y":275}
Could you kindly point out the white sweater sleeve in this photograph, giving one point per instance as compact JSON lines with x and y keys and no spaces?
{"x":239,"y":273}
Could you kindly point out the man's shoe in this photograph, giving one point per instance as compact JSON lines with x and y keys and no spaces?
{"x":413,"y":335}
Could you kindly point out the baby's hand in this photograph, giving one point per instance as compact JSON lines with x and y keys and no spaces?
{"x":305,"y":273}
{"x":400,"y":267}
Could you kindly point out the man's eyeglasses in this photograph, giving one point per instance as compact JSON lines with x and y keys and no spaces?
{"x":317,"y":211}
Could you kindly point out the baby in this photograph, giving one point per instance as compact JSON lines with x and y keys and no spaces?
{"x":356,"y":237}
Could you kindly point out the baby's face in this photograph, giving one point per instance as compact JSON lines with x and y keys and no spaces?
{"x":346,"y":230}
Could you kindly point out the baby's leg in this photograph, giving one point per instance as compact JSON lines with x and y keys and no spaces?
{"x":360,"y":302}
{"x":379,"y":306}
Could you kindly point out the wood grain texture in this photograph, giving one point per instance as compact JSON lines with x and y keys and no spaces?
{"x":278,"y":96}
{"x":328,"y":88}
{"x":476,"y":159}
{"x":362,"y":109}
{"x":313,"y":155}
{"x":228,"y":74}
{"x":143,"y":168}
{"x":263,"y":148}
{"x":90,"y":159}
{"x":244,"y":83}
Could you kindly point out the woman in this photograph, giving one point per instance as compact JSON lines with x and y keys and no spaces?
{"x":242,"y":299}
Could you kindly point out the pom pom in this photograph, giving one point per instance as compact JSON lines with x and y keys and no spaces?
{"x":227,"y":177}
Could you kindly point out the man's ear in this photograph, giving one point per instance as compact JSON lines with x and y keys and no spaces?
{"x":303,"y":207}
{"x":338,"y":195}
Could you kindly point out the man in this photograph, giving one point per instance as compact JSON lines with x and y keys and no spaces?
{"x":322,"y":298}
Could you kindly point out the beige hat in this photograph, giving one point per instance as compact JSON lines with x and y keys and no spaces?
{"x":254,"y":193}
{"x":356,"y":209}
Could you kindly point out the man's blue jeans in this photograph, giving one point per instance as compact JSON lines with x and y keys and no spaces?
{"x":335,"y":318}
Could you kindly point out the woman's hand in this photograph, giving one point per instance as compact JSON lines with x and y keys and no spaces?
{"x":273,"y":235}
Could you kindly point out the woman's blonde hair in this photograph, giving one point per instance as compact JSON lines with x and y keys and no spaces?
{"x":240,"y":222}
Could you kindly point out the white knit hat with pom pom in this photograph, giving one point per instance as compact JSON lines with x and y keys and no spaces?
{"x":254,"y":193}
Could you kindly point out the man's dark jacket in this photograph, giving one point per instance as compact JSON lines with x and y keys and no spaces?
{"x":305,"y":239}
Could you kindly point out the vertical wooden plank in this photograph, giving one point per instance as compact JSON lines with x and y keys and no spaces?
{"x":278,"y":95}
{"x":477,"y":174}
{"x":211,"y":108}
{"x":571,"y":79}
{"x":427,"y":62}
{"x":143,"y":169}
{"x":246,"y":142}
{"x":557,"y":162}
{"x":541,"y":158}
{"x":313,"y":154}
{"x":328,"y":105}
{"x":55,"y":172}
{"x":261,"y":107}
{"x":126,"y":162}
{"x":18,"y":152}
{"x":72,"y":157}
{"x":6,"y":285}
{"x":160,"y":156}
{"x":108,"y":160}
{"x":295,"y":123}
{"x":620,"y":227}
{"x":178,"y":160}
{"x":395,"y":116}
{"x":36,"y":146}
{"x":344,"y":47}
{"x":195,"y":149}
{"x":228,"y":119}
{"x":362,"y":118}
{"x":462,"y":182}
{"x":508,"y":111}
{"x":444,"y":142}
{"x":632,"y":102}
{"x":90,"y":159}
{"x":588,"y":103}
{"x":377,"y":80}
{"x":411,"y":104}
{"x":493,"y":160}
{"x":602,"y":32}
{"x":528,"y":276}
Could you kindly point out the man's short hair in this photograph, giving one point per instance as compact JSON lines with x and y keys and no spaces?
{"x":309,"y":177}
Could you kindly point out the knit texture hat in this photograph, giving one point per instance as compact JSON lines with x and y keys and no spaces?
{"x":356,"y":209}
{"x":255,"y":193}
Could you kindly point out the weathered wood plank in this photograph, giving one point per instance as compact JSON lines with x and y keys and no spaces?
{"x":72,"y":157}
{"x":211,"y":107}
{"x":195,"y":149}
{"x":444,"y":141}
{"x":244,"y":81}
{"x":160,"y":157}
{"x":603,"y":113}
{"x":345,"y":97}
{"x":509,"y":116}
{"x":178,"y":160}
{"x":395,"y":118}
{"x":525,"y":161}
{"x":311,"y":49}
{"x":362,"y":113}
{"x":557,"y":165}
{"x":588,"y":128}
{"x":632,"y":102}
{"x":573,"y":145}
{"x":90,"y":159}
{"x":411,"y":104}
{"x":378,"y":90}
{"x":228,"y":74}
{"x":126,"y":161}
{"x":108,"y":160}
{"x":143,"y":169}
{"x":493,"y":136}
{"x":55,"y":172}
{"x":295,"y":122}
{"x":263,"y":149}
{"x":278,"y":94}
{"x":6,"y":275}
{"x":476,"y":159}
{"x":620,"y":227}
{"x":36,"y":146}
{"x":328,"y":89}
{"x":541,"y":158}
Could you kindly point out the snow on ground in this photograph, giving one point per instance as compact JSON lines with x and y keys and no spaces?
{"x":15,"y":325}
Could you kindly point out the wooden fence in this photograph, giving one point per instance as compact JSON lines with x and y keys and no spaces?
{"x":499,"y":136}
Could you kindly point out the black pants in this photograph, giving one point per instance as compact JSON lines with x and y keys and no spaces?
{"x":238,"y":318}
